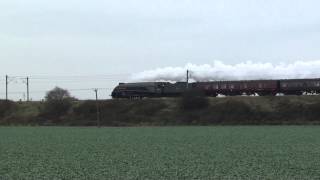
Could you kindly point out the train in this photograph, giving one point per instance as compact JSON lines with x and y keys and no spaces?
{"x":215,"y":88}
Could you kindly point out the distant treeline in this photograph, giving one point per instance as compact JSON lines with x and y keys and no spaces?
{"x":191,"y":109}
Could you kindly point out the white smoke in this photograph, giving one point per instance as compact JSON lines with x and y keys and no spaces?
{"x":242,"y":71}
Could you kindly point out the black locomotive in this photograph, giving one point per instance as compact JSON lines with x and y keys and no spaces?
{"x":213,"y":88}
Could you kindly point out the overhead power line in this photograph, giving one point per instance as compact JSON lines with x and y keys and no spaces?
{"x":78,"y":76}
{"x":58,"y":80}
{"x":71,"y":90}
{"x":85,"y":89}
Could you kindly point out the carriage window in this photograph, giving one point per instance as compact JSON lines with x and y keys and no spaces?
{"x":245,"y":86}
{"x":260,"y":85}
{"x":216,"y":86}
{"x":223,"y":86}
{"x":232,"y":86}
{"x":284,"y":85}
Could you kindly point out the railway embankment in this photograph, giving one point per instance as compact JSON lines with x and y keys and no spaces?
{"x":239,"y":110}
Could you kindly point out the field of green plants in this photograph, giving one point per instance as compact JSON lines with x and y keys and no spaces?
{"x":221,"y":152}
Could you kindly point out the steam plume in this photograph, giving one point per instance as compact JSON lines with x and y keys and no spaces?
{"x":242,"y":71}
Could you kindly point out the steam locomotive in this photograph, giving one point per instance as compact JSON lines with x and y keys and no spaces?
{"x":214,"y":88}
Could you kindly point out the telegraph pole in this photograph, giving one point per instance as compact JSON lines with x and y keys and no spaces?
{"x":28,"y":97}
{"x":187,"y":79}
{"x":98,"y":109}
{"x":7,"y":87}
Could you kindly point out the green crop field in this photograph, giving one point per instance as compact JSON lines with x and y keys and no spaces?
{"x":239,"y":152}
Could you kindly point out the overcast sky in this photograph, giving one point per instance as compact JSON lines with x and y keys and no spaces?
{"x":78,"y":37}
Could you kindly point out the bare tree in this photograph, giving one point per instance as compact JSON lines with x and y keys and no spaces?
{"x":58,"y":102}
{"x":58,"y":94}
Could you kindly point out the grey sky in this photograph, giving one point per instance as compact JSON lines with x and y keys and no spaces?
{"x":106,"y":36}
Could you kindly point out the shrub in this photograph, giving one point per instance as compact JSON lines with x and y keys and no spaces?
{"x":287,"y":110}
{"x":311,"y":112}
{"x":231,"y":111}
{"x":57,"y":103}
{"x":6,"y":107}
{"x":194,"y":100}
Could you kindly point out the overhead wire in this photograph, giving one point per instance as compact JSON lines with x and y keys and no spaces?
{"x":45,"y":91}
{"x":64,"y":79}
